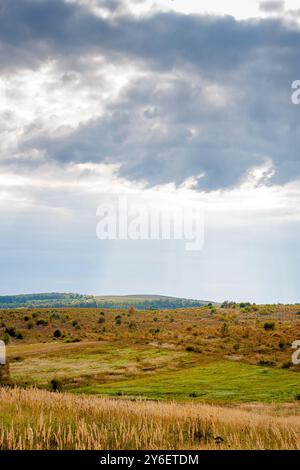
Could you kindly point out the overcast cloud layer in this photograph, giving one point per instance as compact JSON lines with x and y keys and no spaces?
{"x":211,"y":98}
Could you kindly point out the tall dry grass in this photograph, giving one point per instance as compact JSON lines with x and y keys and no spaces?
{"x":35,"y":419}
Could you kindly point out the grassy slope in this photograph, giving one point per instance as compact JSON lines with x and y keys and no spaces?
{"x":149,"y":372}
{"x":182,"y":354}
{"x":224,"y":382}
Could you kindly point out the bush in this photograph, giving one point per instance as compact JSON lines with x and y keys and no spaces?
{"x":154,"y":331}
{"x":55,"y":316}
{"x":57,"y":334}
{"x":224,"y":329}
{"x":6,"y":338}
{"x":269,"y":326}
{"x":41,"y":322}
{"x":118,"y":321}
{"x":287,"y":365}
{"x":101,"y":320}
{"x":30,"y":325}
{"x":56,"y":385}
{"x":11,"y":331}
{"x":266,"y":363}
{"x":19,"y":335}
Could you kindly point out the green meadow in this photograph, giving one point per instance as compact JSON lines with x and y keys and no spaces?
{"x":225,"y":382}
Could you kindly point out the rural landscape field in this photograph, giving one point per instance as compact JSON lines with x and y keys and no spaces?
{"x":209,"y":377}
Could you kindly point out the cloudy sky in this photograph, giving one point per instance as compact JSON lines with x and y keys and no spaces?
{"x":170,"y":101}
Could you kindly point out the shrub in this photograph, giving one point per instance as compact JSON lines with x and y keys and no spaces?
{"x":56,"y":385}
{"x":266,"y":363}
{"x":57,"y":334}
{"x":224,"y":329}
{"x":30,"y":325}
{"x":154,"y":331}
{"x":269,"y":326}
{"x":101,"y":320}
{"x":6,"y":338}
{"x":55,"y":316}
{"x":41,"y":322}
{"x":287,"y":365}
{"x":11,"y":331}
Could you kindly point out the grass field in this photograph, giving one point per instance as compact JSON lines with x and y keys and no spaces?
{"x":225,"y":382}
{"x":150,"y":372}
{"x":35,"y":419}
{"x":200,"y":360}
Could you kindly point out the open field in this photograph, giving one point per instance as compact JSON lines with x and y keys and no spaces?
{"x":34,"y":419}
{"x":223,"y":378}
{"x":200,"y":354}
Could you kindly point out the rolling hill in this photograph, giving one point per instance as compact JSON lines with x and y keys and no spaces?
{"x":64,"y":300}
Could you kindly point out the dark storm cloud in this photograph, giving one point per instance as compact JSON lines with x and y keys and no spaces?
{"x":52,"y":28}
{"x":170,"y":126}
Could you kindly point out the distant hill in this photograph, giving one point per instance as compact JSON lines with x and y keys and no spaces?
{"x":64,"y":300}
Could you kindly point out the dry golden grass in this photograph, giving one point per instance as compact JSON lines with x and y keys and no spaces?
{"x":197,"y":328}
{"x":36,"y":419}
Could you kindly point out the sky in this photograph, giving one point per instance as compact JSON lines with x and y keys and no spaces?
{"x":169,"y":103}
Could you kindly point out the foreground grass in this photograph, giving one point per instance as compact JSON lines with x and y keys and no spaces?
{"x":223,"y":381}
{"x":37,"y":419}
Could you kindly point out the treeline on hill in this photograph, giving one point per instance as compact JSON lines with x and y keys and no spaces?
{"x":47,"y":300}
{"x":57,"y":300}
